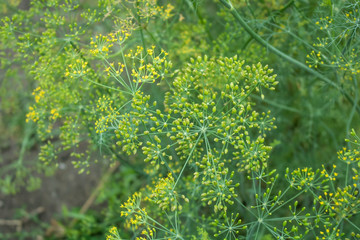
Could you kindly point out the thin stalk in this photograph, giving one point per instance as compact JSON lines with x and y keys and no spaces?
{"x":141,"y":28}
{"x":352,"y":224}
{"x":187,"y":160}
{"x":281,"y":54}
{"x":102,"y":85}
{"x":28,"y":131}
{"x":200,"y":17}
{"x":350,"y":118}
{"x":25,"y":143}
{"x":286,"y":202}
{"x":278,"y":105}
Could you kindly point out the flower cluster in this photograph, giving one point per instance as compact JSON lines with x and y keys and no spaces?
{"x":336,"y":47}
{"x":131,"y":208}
{"x":101,"y":45}
{"x":108,"y":115}
{"x":349,"y":155}
{"x":199,"y":119}
{"x":150,"y":8}
{"x":147,"y":71}
{"x":307,"y":178}
{"x":78,"y":69}
{"x":164,"y":194}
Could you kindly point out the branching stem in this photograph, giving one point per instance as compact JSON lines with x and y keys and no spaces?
{"x":259,"y":39}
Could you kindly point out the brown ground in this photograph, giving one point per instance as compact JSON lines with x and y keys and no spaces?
{"x":65,"y":188}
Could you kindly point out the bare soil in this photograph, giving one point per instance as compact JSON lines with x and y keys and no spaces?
{"x":37,"y":210}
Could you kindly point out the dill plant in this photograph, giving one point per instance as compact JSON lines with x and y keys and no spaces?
{"x":57,"y":46}
{"x":313,"y":38}
{"x":198,"y":133}
{"x":197,"y":142}
{"x":265,"y":212}
{"x":218,"y":140}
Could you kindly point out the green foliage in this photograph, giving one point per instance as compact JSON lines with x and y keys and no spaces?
{"x":201,"y":153}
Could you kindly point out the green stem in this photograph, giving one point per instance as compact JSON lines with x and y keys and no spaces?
{"x":352,"y":224}
{"x":286,"y":202}
{"x":347,"y":174}
{"x":187,"y":160}
{"x":141,"y":28}
{"x":24,"y":145}
{"x":200,"y":17}
{"x":157,"y":43}
{"x":350,"y":118}
{"x":289,"y":4}
{"x":278,"y":105}
{"x":281,"y":54}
